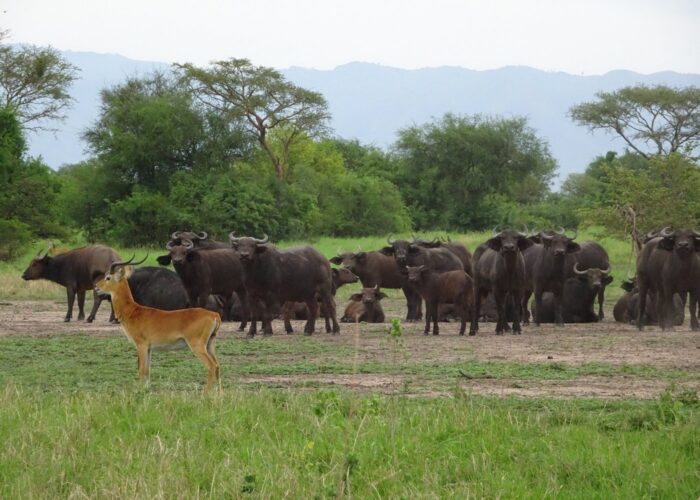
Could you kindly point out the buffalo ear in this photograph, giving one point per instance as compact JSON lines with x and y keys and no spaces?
{"x":163,"y":260}
{"x":361,"y":256}
{"x":412,"y":248}
{"x":356,"y":297}
{"x":381,"y":295}
{"x":607,"y":280}
{"x":388,"y":251}
{"x":494,"y":244}
{"x":627,"y":286}
{"x":260,"y":248}
{"x":525,"y":243}
{"x":535,"y":238}
{"x":335,"y":272}
{"x":337,"y":260}
{"x":666,"y":244}
{"x":572,"y":247}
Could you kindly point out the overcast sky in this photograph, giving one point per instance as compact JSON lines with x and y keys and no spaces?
{"x":575,"y":36}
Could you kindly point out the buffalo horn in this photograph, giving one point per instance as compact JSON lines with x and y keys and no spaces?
{"x":496,"y":232}
{"x":578,"y":271}
{"x":169,"y":246}
{"x":187,"y":244}
{"x":651,"y":235}
{"x":203,"y":236}
{"x":232,"y":238}
{"x":262,"y":241}
{"x":696,"y":233}
{"x":547,"y":235}
{"x":666,"y":232}
{"x":606,"y":271}
{"x":126,"y":263}
{"x":389,"y":240}
{"x":175,"y":235}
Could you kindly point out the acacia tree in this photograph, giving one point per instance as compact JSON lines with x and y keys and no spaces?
{"x":34,"y":83}
{"x":652,"y":120}
{"x":276,"y":112}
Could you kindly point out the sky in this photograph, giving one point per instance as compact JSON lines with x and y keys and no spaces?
{"x":588,"y":37}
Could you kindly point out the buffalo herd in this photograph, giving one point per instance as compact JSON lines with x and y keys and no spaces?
{"x":248,"y":279}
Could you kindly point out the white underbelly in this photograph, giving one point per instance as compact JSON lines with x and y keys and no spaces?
{"x":180,"y":344}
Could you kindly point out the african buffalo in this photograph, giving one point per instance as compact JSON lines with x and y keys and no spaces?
{"x":365,"y":306}
{"x":593,"y":260}
{"x":627,"y":307}
{"x":199,"y":240}
{"x":460,"y":250}
{"x":77,"y":270}
{"x":455,"y":287}
{"x":273,"y":276}
{"x":669,"y":264}
{"x":377,"y":269}
{"x":576,"y":303}
{"x":205,"y":272}
{"x":545,"y":268}
{"x":499,"y":268}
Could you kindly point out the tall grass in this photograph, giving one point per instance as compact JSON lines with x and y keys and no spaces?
{"x":275,"y":444}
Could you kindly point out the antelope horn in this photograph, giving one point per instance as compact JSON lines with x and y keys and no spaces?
{"x":666,"y":232}
{"x":578,"y":271}
{"x":262,"y":241}
{"x":114,"y":265}
{"x":175,"y":235}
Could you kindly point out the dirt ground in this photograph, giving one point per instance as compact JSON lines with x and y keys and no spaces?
{"x":577,"y":344}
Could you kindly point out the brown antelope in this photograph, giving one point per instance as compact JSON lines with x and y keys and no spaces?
{"x":150,"y":328}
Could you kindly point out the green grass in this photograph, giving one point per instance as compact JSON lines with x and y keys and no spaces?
{"x":273,"y":444}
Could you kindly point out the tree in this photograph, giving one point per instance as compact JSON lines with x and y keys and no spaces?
{"x":652,"y":120}
{"x":269,"y":104}
{"x":470,"y":172}
{"x":34,"y":84}
{"x":150,"y":128}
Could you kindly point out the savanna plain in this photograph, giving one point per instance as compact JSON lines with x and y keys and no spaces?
{"x":380,"y":411}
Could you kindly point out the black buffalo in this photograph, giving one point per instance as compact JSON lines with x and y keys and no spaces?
{"x":77,"y":270}
{"x":200,"y":240}
{"x":546,"y":270}
{"x":273,"y":276}
{"x":208,"y":272}
{"x":669,"y":264}
{"x":576,"y":304}
{"x":626,"y":308}
{"x":499,"y":268}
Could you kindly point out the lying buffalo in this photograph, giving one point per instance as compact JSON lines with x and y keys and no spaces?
{"x":626,"y":308}
{"x":365,"y":306}
{"x":78,"y":270}
{"x":576,"y":304}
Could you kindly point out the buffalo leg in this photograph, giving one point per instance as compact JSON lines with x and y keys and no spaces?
{"x":538,"y":306}
{"x":328,"y":302}
{"x":434,"y":313}
{"x":515,"y":300}
{"x":70,"y":292}
{"x":312,"y":305}
{"x":661,"y":309}
{"x":476,"y":310}
{"x":245,"y":308}
{"x":81,"y":304}
{"x":693,"y":312}
{"x":642,"y":304}
{"x":255,"y":313}
{"x":524,"y":313}
{"x":428,"y":311}
{"x":96,"y":301}
{"x":286,"y":315}
{"x":558,"y":315}
{"x":601,"y":301}
{"x":500,"y":311}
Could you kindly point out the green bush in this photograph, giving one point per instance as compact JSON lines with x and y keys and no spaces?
{"x":15,"y":236}
{"x":142,"y":218}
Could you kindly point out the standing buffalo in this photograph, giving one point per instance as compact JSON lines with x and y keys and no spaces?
{"x":455,"y":287}
{"x":378,"y":269}
{"x":365,"y":306}
{"x":77,"y":270}
{"x":546,"y":270}
{"x":499,"y":268}
{"x":206,"y":272}
{"x":273,"y":276}
{"x":460,"y":250}
{"x":669,"y":264}
{"x":591,"y":261}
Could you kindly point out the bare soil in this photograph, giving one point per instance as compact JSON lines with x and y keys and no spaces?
{"x":576,"y":344}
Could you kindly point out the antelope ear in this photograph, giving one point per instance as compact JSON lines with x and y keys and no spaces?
{"x":356,"y":297}
{"x":337,"y":260}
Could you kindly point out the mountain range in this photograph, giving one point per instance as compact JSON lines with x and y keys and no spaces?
{"x":371,"y":102}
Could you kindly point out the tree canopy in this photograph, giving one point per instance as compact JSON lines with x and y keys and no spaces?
{"x":34,"y":84}
{"x":268,"y":103}
{"x":651,"y":120}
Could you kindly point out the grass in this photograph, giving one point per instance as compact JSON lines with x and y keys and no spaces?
{"x":328,"y":444}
